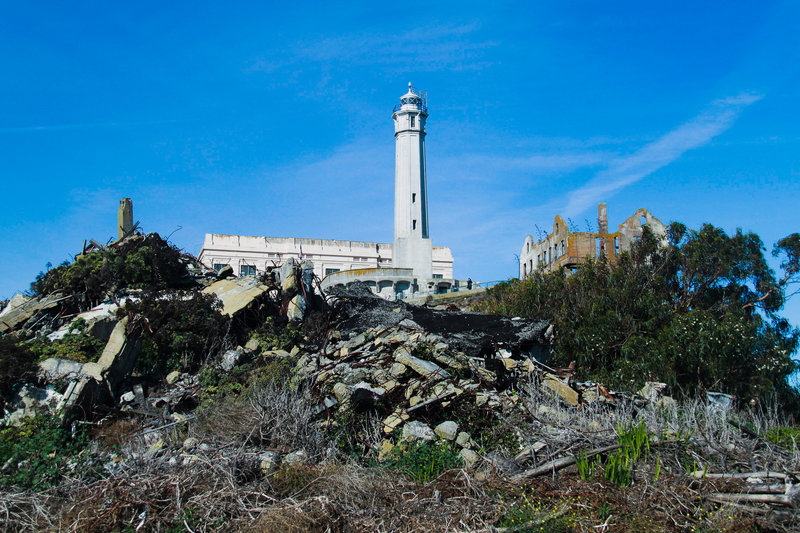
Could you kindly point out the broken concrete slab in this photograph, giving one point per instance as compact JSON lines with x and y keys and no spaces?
{"x":236,"y":294}
{"x":420,"y":366}
{"x":54,"y":369}
{"x":27,"y":309}
{"x":16,"y":301}
{"x":99,"y":322}
{"x":564,"y":391}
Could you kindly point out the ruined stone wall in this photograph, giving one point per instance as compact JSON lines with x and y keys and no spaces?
{"x":563,"y":248}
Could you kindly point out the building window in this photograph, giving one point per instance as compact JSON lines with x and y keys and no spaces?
{"x":218,"y":266}
{"x":563,"y":248}
{"x":413,"y":197}
{"x":438,"y":276}
{"x":412,"y":121}
{"x":247,"y":270}
{"x":616,"y":245}
{"x":413,"y":224}
{"x":329,"y":271}
{"x":643,"y":220}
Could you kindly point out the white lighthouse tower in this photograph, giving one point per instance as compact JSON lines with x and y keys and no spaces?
{"x":412,"y":244}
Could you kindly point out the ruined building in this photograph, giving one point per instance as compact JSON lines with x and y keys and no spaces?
{"x":568,"y":249}
{"x":409,"y":266}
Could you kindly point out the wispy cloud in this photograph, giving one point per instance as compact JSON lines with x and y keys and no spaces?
{"x":87,"y":125}
{"x":427,"y":48}
{"x":626,"y":170}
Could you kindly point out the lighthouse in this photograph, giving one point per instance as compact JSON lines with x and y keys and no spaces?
{"x":412,"y":244}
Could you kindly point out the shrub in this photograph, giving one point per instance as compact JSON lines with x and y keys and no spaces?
{"x":180,"y":329}
{"x":147,"y":262}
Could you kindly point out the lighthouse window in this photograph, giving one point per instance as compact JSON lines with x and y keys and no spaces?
{"x":413,"y":197}
{"x":413,"y":224}
{"x":412,"y":121}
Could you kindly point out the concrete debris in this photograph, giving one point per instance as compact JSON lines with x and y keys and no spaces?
{"x":237,"y":294}
{"x":30,"y":401}
{"x":231,"y":358}
{"x":98,"y":322}
{"x":417,"y":431}
{"x":25,"y":309}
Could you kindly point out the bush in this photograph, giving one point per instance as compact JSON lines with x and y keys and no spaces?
{"x":180,"y":330}
{"x":147,"y":262}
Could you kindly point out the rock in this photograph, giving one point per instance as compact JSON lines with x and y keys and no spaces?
{"x":253,"y":346}
{"x":567,"y":393}
{"x":446,"y":430}
{"x":398,"y":369}
{"x":173,"y":377}
{"x":30,"y":401}
{"x":342,"y":392}
{"x":237,"y":294}
{"x":190,"y":444}
{"x":652,"y":390}
{"x":230,"y":359}
{"x":464,"y":439}
{"x":269,"y":461}
{"x":416,"y":430}
{"x":420,"y":366}
{"x":297,"y":308}
{"x":128,"y":397}
{"x":298,"y":456}
{"x":469,"y":457}
{"x":393,"y":420}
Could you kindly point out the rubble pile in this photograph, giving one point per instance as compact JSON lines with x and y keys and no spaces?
{"x":290,"y":378}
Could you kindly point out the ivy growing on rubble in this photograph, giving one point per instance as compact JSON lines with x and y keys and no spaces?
{"x":700,"y":312}
{"x":139,"y":262}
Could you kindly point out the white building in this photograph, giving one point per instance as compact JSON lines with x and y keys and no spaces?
{"x":412,"y":265}
{"x":250,"y":255}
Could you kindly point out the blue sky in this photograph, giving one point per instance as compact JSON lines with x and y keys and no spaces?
{"x":275,"y":119}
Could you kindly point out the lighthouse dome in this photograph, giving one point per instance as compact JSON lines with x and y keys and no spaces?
{"x":414,"y":97}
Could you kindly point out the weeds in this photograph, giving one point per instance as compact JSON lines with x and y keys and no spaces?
{"x":37,"y":452}
{"x":422,"y":461}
